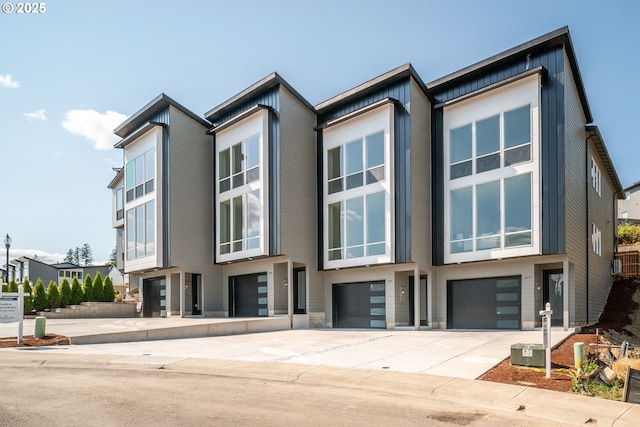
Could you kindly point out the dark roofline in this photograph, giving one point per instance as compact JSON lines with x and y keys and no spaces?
{"x":560,"y":36}
{"x":373,"y":85}
{"x":145,"y":114}
{"x":634,"y":185}
{"x":603,"y":153}
{"x":260,"y":86}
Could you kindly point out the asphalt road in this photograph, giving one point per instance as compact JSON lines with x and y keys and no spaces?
{"x":97,"y":394}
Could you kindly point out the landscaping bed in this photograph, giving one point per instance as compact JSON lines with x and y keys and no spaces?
{"x":31,"y":341}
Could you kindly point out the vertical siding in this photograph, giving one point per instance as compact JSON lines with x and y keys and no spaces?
{"x":190,"y":195}
{"x":297,"y":174}
{"x":420,"y":177}
{"x":577,"y":240}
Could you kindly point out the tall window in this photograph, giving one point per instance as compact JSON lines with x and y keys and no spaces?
{"x":141,"y":231}
{"x":240,"y":189}
{"x":596,"y":239}
{"x":357,"y":208}
{"x":139,"y":175}
{"x":491,"y":144}
{"x":119,"y":203}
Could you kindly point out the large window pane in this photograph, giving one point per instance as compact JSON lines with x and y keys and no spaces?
{"x":462,"y":214}
{"x":237,"y":158}
{"x":149,"y":165}
{"x":130,"y":173}
{"x":139,"y":231}
{"x":354,"y":156}
{"x":488,"y":215}
{"x":334,"y":231}
{"x":488,"y":136}
{"x":517,"y":203}
{"x":237,"y":224}
{"x":225,"y":227}
{"x":375,"y":149}
{"x":253,"y":220}
{"x":131,"y":234}
{"x":376,"y":217}
{"x":517,"y":127}
{"x":224,"y":164}
{"x":139,"y":170}
{"x":334,"y":163}
{"x":253,"y":152}
{"x":150,"y":226}
{"x":460,"y":142}
{"x":355,"y":221}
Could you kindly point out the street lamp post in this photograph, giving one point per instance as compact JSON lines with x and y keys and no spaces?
{"x":7,"y":244}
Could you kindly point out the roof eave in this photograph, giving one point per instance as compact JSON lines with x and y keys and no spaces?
{"x":603,"y":153}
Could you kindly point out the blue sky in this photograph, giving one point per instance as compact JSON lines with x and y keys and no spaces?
{"x":68,"y":76}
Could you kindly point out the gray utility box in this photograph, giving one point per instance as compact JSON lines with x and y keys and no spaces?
{"x":528,"y":355}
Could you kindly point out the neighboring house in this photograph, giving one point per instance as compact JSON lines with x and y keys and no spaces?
{"x":167,"y":209}
{"x":524,"y":192}
{"x":120,"y":281}
{"x":629,"y":208}
{"x":69,"y":271}
{"x":374,"y":146}
{"x":265,"y":204}
{"x":117,"y":200}
{"x":32,"y":270}
{"x":466,"y":203}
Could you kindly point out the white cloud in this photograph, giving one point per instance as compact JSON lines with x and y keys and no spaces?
{"x":96,"y":127}
{"x":7,"y":81}
{"x":42,"y":256}
{"x":39,"y":115}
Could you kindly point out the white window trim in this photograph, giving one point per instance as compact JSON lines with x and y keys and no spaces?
{"x":376,"y":120}
{"x":596,"y":239}
{"x":505,"y":98}
{"x":596,"y":176}
{"x":257,"y":123}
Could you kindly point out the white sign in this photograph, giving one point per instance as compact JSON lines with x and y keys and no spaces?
{"x":10,"y":310}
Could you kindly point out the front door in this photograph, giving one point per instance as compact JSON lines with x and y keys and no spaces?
{"x":196,"y":284}
{"x":299,"y":291}
{"x":552,"y":293}
{"x":154,"y":298}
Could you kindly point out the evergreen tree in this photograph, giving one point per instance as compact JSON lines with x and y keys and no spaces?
{"x":76,"y":256}
{"x":13,"y":286}
{"x":109,"y":293}
{"x":98,"y":288}
{"x":69,"y":258}
{"x":77,"y":296}
{"x":5,"y":287}
{"x":87,"y":289}
{"x":40,"y":301}
{"x":86,"y":255}
{"x":53,"y":295}
{"x":113,"y":258}
{"x":28,"y":300}
{"x":65,"y":293}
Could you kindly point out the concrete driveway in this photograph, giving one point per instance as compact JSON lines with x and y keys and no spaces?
{"x":451,"y":353}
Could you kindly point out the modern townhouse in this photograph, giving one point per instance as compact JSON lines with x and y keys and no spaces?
{"x":629,"y":207}
{"x":374,"y":147}
{"x":524,"y":192}
{"x":162,"y":203}
{"x":265,"y":204}
{"x":466,"y":203}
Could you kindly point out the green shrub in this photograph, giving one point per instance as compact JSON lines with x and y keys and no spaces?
{"x":77,"y":296}
{"x":87,"y":289}
{"x":40,"y":301}
{"x":5,"y":287}
{"x":109,"y":293}
{"x":65,"y":293}
{"x":28,"y":300}
{"x":13,"y":286}
{"x":98,"y":288}
{"x":629,"y":234}
{"x":53,"y":295}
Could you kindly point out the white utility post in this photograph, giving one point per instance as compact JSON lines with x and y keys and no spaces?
{"x":12,"y":309}
{"x":546,"y":336}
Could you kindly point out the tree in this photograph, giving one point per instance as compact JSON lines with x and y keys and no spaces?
{"x":40,"y":301}
{"x":69,"y":258}
{"x":65,"y":293}
{"x":28,"y":300}
{"x":87,"y":289}
{"x":98,"y":288}
{"x":629,"y":234}
{"x":13,"y":286}
{"x":86,"y":255}
{"x":77,"y":296}
{"x":113,"y":258}
{"x":53,"y":295}
{"x":109,"y":293}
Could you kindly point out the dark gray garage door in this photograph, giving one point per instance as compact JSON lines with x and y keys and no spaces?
{"x":359,"y":305}
{"x":248,"y":295}
{"x":492,"y":303}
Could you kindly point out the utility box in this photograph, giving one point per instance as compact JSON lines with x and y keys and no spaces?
{"x":528,"y":355}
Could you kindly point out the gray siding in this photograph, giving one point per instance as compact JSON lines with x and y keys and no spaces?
{"x":420,"y":178}
{"x":297,"y":175}
{"x":190,"y":175}
{"x":578,"y":228}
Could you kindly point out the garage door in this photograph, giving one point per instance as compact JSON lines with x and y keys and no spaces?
{"x":248,"y":295}
{"x":359,"y":305}
{"x":492,"y":303}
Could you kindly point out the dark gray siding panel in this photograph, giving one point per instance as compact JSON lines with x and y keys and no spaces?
{"x":437,"y":190}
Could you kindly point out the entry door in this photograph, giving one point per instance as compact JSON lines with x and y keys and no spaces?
{"x":423,"y":301}
{"x":154,"y":298}
{"x":196,"y":294}
{"x":553,"y":293}
{"x":299,"y":291}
